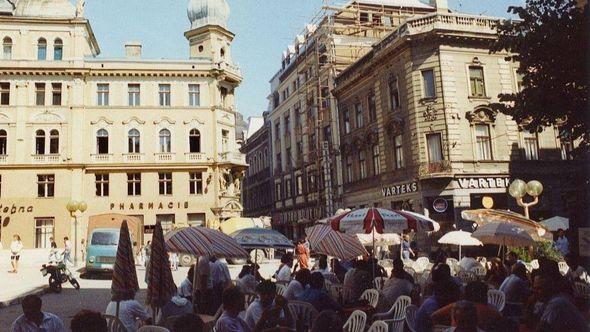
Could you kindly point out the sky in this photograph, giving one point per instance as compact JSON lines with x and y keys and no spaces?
{"x":263,"y":30}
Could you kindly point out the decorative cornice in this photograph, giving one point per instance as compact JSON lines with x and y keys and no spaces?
{"x":165,"y":118}
{"x":102,"y":119}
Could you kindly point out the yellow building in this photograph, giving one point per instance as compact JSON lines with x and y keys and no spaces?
{"x":149,"y":138}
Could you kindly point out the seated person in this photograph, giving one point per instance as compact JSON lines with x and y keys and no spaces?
{"x":439,"y":272}
{"x":317,"y":296}
{"x":283,"y":274}
{"x":477,"y":293}
{"x":88,"y":321}
{"x":465,"y":316}
{"x":177,"y":306}
{"x":297,"y":285}
{"x":446,"y":292}
{"x":189,"y":323}
{"x":186,"y":287}
{"x":233,"y":303}
{"x":394,"y":287}
{"x":269,"y":310}
{"x":575,"y":272}
{"x":130,"y":311}
{"x":357,"y":280}
{"x":327,"y":320}
{"x":468,"y":262}
{"x":323,"y":265}
{"x":246,"y":280}
{"x":33,"y":319}
{"x":516,"y":287}
{"x":496,"y":274}
{"x":338,"y":269}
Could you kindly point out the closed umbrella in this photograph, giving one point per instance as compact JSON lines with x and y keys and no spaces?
{"x":325,"y":240}
{"x":124,"y":280}
{"x":556,"y":223}
{"x":161,"y":287}
{"x":507,"y":234}
{"x":460,"y":238}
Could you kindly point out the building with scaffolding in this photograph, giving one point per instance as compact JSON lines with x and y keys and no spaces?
{"x":305,"y":146}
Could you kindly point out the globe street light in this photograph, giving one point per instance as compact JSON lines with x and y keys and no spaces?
{"x":73,"y":207}
{"x":519,"y":189}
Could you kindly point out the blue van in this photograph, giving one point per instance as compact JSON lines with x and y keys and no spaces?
{"x":101,"y":251}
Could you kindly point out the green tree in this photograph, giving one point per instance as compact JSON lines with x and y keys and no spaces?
{"x":550,"y":41}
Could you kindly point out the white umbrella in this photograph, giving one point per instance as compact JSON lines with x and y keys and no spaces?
{"x":460,"y":238}
{"x":507,"y":234}
{"x":556,"y":223}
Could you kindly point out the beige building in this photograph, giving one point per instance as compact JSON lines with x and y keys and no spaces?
{"x":149,"y":138}
{"x":303,"y":114}
{"x":418,"y":133}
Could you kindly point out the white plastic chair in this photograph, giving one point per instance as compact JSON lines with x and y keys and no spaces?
{"x":114,"y":324}
{"x":421,"y":263}
{"x":379,"y":281}
{"x":356,"y":322}
{"x":378,"y":326}
{"x":563,"y":268}
{"x":535,"y":264}
{"x":410,"y":271}
{"x":152,"y":328}
{"x":467,"y":276}
{"x":479,"y":271}
{"x":303,"y":312}
{"x":497,"y":299}
{"x":281,"y":289}
{"x":411,"y":317}
{"x":397,"y":311}
{"x":372,"y":296}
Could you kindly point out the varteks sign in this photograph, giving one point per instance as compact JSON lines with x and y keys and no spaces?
{"x":483,"y":183}
{"x":401,"y":189}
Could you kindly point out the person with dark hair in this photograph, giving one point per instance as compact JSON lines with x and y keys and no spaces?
{"x":327,"y":320}
{"x":130,"y":311}
{"x":338,"y":269}
{"x":561,"y":243}
{"x":33,"y":319}
{"x":575,"y":272}
{"x":465,"y":317}
{"x":176,"y":306}
{"x":297,"y":285}
{"x":233,"y":304}
{"x":477,"y":293}
{"x":246,"y":280}
{"x":188,"y":323}
{"x":186,"y":287}
{"x":88,"y":321}
{"x":516,"y":287}
{"x":357,"y":280}
{"x":284,"y":272}
{"x":468,"y":261}
{"x":317,"y":296}
{"x":395,"y":286}
{"x":323,"y":265}
{"x":496,"y":274}
{"x":446,"y":292}
{"x":511,"y":259}
{"x":68,"y":251}
{"x":269,"y":310}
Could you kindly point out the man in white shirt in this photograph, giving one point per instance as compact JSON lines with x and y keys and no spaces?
{"x":284,"y":273}
{"x":297,"y":286}
{"x":186,"y":287}
{"x":468,"y":262}
{"x":269,"y":310}
{"x":575,"y":272}
{"x":34,"y":320}
{"x":130,"y":311}
{"x":67,"y":250}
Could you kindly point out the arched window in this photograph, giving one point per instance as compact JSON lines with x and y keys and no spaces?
{"x":134,"y":141}
{"x":54,"y":142}
{"x":3,"y":142}
{"x":40,"y":142}
{"x":42,"y":49}
{"x":194,"y":141}
{"x":102,"y":141}
{"x":165,"y":141}
{"x":7,"y":48}
{"x":58,"y":49}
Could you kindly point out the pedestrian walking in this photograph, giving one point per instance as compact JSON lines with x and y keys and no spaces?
{"x":15,"y":248}
{"x":173,"y":257}
{"x":53,"y":252}
{"x":147,"y":252}
{"x":68,"y":251}
{"x":302,"y":255}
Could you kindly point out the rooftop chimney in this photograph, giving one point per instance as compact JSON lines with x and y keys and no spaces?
{"x":440,"y":5}
{"x":133,"y":50}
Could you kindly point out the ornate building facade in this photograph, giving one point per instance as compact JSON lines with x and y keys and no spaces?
{"x":149,"y":138}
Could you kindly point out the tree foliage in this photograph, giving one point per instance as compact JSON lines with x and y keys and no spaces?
{"x":550,"y":42}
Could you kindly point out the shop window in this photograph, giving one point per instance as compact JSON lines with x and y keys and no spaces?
{"x":167,"y":221}
{"x":58,"y":49}
{"x":483,"y":142}
{"x":54,"y":142}
{"x":476,"y":81}
{"x":102,"y":141}
{"x":4,"y":93}
{"x":44,"y":231}
{"x":194,"y":140}
{"x":102,"y":185}
{"x":399,"y":152}
{"x":196,"y":219}
{"x":196,"y":183}
{"x":428,"y":88}
{"x":194,"y":95}
{"x":531,"y":146}
{"x":41,"y":49}
{"x":7,"y":48}
{"x":45,"y":185}
{"x":434,"y":147}
{"x":134,"y":184}
{"x":164,"y":94}
{"x":134,"y":94}
{"x":39,"y":94}
{"x":40,"y":142}
{"x":56,"y":94}
{"x":102,"y":94}
{"x":3,"y":142}
{"x":165,"y":183}
{"x":165,"y":141}
{"x":134,"y":141}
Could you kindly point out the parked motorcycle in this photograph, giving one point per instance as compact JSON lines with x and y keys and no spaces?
{"x":58,"y":274}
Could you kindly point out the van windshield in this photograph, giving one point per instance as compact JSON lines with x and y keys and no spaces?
{"x":105,"y":239}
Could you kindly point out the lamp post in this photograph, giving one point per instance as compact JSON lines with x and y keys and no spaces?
{"x":73,"y":207}
{"x":518,"y":189}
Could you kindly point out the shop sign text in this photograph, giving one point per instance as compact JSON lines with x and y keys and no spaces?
{"x":401,"y":189}
{"x":149,"y":206}
{"x":483,"y":183}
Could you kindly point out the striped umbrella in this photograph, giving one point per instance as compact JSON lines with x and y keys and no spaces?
{"x":383,"y":221}
{"x":161,"y":285}
{"x":202,"y":241}
{"x":324,"y":240}
{"x":124,"y":279}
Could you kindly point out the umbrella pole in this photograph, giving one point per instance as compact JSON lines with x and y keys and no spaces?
{"x":195,"y":305}
{"x":459,"y":252}
{"x":373,"y":253}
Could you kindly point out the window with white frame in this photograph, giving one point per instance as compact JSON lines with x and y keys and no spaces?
{"x":346,"y":120}
{"x":102,"y":184}
{"x":102,"y":94}
{"x":53,"y":141}
{"x":134,"y":184}
{"x":566,"y":144}
{"x":194,"y":95}
{"x":44,"y":231}
{"x":102,"y":142}
{"x":40,"y":142}
{"x":483,"y":142}
{"x":362,"y":164}
{"x":134,"y":94}
{"x":196,"y":183}
{"x":58,"y":49}
{"x":164,"y":94}
{"x":393,"y":93}
{"x":165,"y":183}
{"x":372,"y":106}
{"x":45,"y":185}
{"x":41,"y":49}
{"x":194,"y":141}
{"x":531,"y":145}
{"x":476,"y":81}
{"x":376,"y":159}
{"x":4,"y":93}
{"x":165,"y":141}
{"x":359,"y":115}
{"x":349,"y":172}
{"x":134,"y":141}
{"x":56,"y":94}
{"x":39,"y":94}
{"x":299,"y":185}
{"x":399,"y":151}
{"x":428,"y":88}
{"x":278,"y":191}
{"x":519,"y":81}
{"x":434,"y":145}
{"x":288,"y":188}
{"x":7,"y":48}
{"x":3,"y":142}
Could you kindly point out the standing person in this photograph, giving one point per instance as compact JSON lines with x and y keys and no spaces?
{"x":67,"y":251}
{"x":53,"y":256}
{"x":561,"y":243}
{"x":15,"y":248}
{"x":406,"y":248}
{"x":147,"y":253}
{"x":302,"y":255}
{"x":33,"y":319}
{"x":174,"y":261}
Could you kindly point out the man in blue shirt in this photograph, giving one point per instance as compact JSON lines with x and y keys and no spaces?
{"x":317,"y":296}
{"x":446,"y":292}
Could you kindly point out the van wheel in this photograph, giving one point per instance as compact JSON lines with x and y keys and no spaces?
{"x":186,"y":260}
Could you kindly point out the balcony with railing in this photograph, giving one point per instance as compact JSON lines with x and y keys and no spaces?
{"x":165,"y":157}
{"x":45,"y":158}
{"x":195,"y":157}
{"x":436,"y":169}
{"x":133,"y":157}
{"x":232,"y":157}
{"x":102,"y":157}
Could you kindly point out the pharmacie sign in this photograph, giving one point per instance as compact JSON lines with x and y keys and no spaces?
{"x":401,"y":189}
{"x":148,"y":206}
{"x":483,"y":183}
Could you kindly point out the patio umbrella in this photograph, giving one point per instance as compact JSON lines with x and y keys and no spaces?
{"x":261,"y":238}
{"x":460,"y":238}
{"x":383,"y":221}
{"x":484,"y":216}
{"x":324,"y":240}
{"x":161,"y":285}
{"x":556,"y":223}
{"x":388,"y":239}
{"x":124,"y":280}
{"x":507,"y":234}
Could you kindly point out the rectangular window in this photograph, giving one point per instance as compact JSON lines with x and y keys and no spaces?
{"x":434,"y":144}
{"x":39,"y":94}
{"x":134,"y":184}
{"x":428,"y":89}
{"x":476,"y":81}
{"x":399,"y":152}
{"x":134,"y":94}
{"x":42,"y":51}
{"x":194,"y":95}
{"x":288,"y":188}
{"x":224,"y":140}
{"x":531,"y":146}
{"x":196,"y":219}
{"x":519,"y":82}
{"x":56,"y":94}
{"x":346,"y":120}
{"x":311,"y":183}
{"x":45,"y":185}
{"x":393,"y":93}
{"x":349,"y":173}
{"x":299,"y":185}
{"x":4,"y":93}
{"x":167,"y":221}
{"x":164,"y":94}
{"x":376,"y":160}
{"x":359,"y":115}
{"x":102,"y":185}
{"x":44,"y":229}
{"x":165,"y":183}
{"x":372,"y":107}
{"x":196,"y":183}
{"x":483,"y":142}
{"x":278,"y":191}
{"x":362,"y":164}
{"x":7,"y":46}
{"x":102,"y":94}
{"x":287,"y":125}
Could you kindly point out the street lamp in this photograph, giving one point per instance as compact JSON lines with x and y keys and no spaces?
{"x":73,"y":207}
{"x":518,"y":189}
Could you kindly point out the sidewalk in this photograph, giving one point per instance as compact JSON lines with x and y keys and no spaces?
{"x":16,"y":286}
